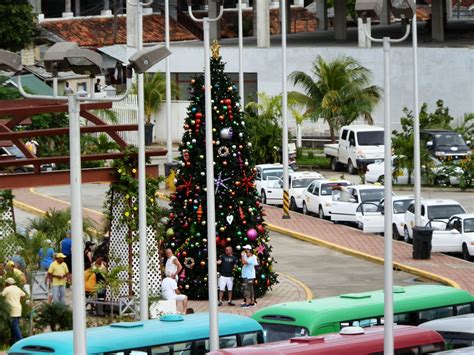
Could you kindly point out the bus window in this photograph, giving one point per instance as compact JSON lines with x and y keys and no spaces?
{"x":463,"y":309}
{"x":249,"y":339}
{"x":432,"y":348}
{"x":436,"y":313}
{"x":364,"y":323}
{"x":407,"y":351}
{"x":276,"y":332}
{"x":201,"y":347}
{"x":228,"y":342}
{"x":405,"y":318}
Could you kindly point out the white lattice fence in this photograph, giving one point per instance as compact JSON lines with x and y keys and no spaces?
{"x":122,"y":253}
{"x":7,"y":223}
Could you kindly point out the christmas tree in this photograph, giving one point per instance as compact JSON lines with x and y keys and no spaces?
{"x":239,"y":214}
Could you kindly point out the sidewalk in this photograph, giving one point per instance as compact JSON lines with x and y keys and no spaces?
{"x":287,"y":290}
{"x":443,"y":268}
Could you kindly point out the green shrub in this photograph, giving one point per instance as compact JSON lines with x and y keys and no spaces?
{"x":57,"y":316}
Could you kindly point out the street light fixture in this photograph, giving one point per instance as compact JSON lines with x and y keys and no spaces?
{"x":365,"y":9}
{"x":80,"y":61}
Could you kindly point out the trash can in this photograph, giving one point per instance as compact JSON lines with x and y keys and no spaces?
{"x":422,"y":242}
{"x":170,"y":166}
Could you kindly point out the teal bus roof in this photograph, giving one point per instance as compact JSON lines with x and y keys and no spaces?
{"x":139,"y":334}
{"x":315,"y":313}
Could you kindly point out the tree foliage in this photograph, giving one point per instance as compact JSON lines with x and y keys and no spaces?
{"x":57,"y":316}
{"x":18,"y":24}
{"x":337,"y":91}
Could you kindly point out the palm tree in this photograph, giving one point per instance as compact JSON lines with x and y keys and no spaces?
{"x":299,"y":117}
{"x":338,"y":91}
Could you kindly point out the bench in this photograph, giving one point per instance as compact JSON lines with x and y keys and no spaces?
{"x":126,"y":305}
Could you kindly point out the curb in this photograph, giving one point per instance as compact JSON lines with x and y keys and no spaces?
{"x":28,"y":208}
{"x":309,"y":294}
{"x":365,"y":256}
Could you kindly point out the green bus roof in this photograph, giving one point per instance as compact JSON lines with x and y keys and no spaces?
{"x":315,"y":313}
{"x":131,"y":335}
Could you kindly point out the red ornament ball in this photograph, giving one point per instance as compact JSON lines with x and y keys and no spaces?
{"x":260,"y":229}
{"x":227,"y":101}
{"x":198,"y":115}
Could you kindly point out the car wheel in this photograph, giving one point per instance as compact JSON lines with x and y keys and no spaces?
{"x":335,"y":166}
{"x":465,"y":253}
{"x":264,"y":197}
{"x":350,"y":168}
{"x":395,"y":234}
{"x":293,"y":206}
{"x":381,"y":179}
{"x":406,"y":235}
{"x":305,"y":209}
{"x":321,"y":213}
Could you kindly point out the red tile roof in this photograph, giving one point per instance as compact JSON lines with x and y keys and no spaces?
{"x":98,"y":31}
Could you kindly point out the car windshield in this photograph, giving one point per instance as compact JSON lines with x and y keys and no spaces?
{"x":469,"y":225}
{"x":276,"y":332}
{"x":13,"y":150}
{"x":444,"y":211}
{"x":401,"y":206}
{"x":277,"y":173}
{"x":299,"y":183}
{"x":449,"y":139}
{"x":326,"y":189}
{"x":370,"y":138}
{"x":374,"y":195}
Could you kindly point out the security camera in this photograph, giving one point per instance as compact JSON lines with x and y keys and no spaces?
{"x":9,"y":61}
{"x":368,"y":8}
{"x":148,"y":57}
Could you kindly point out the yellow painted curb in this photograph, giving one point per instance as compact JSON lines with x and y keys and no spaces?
{"x":309,"y":294}
{"x":28,"y":208}
{"x":365,"y":256}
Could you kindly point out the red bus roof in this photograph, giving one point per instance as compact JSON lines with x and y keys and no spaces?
{"x":369,"y":342}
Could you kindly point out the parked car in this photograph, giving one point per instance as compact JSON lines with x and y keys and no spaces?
{"x":347,"y":199}
{"x":298,"y":182}
{"x":371,"y":218}
{"x":445,"y":144}
{"x":435,"y":212}
{"x":443,"y":175}
{"x":317,"y":198}
{"x":263,"y":175}
{"x":358,"y":146}
{"x":457,"y":331}
{"x":458,"y":236}
{"x":14,"y":152}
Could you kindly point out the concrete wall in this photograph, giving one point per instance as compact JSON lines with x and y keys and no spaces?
{"x":444,"y":73}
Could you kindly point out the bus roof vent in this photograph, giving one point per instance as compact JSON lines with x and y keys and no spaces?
{"x":279,"y":317}
{"x":307,"y":340}
{"x":398,"y":289}
{"x":352,"y":331}
{"x":127,"y":325}
{"x":171,"y":318}
{"x":356,"y":296}
{"x":38,"y":349}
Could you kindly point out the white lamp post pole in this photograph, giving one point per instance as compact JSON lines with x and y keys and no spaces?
{"x":284,"y":114}
{"x":388,"y":204}
{"x":211,"y":212}
{"x":241,"y":57}
{"x":169,"y":142}
{"x":416,"y":126}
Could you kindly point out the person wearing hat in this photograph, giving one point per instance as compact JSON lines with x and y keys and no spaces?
{"x":13,"y":295}
{"x":46,"y":255}
{"x":66,"y":245}
{"x":88,"y":255}
{"x":58,"y":275}
{"x":13,"y":271}
{"x":249,"y":261}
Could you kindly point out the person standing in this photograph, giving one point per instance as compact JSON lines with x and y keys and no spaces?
{"x":13,"y":295}
{"x":46,"y":255}
{"x":170,"y":291}
{"x":14,"y":272}
{"x":97,"y":86}
{"x":58,"y":275}
{"x":249,"y":261}
{"x":228,"y":263}
{"x":172,"y":264}
{"x":88,"y":255}
{"x":66,"y":245}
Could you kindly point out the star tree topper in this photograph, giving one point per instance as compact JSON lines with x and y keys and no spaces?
{"x":215,"y":49}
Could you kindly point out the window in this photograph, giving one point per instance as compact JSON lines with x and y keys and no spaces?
{"x":258,"y":175}
{"x":301,"y":183}
{"x":411,"y":208}
{"x":432,"y":348}
{"x":276,"y":332}
{"x":422,"y":210}
{"x":351,"y":139}
{"x":228,"y":342}
{"x":201,"y":347}
{"x":371,"y":195}
{"x":449,"y":139}
{"x":249,"y":339}
{"x":370,"y":138}
{"x":363,"y":323}
{"x":327,"y":189}
{"x":344,"y":134}
{"x":275,"y":173}
{"x":469,"y":225}
{"x":407,"y":351}
{"x":310,"y":187}
{"x":316,"y":191}
{"x":435,"y":313}
{"x":463,"y":309}
{"x":400,"y":206}
{"x":444,"y":211}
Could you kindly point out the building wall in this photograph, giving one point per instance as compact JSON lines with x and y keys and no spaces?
{"x":444,"y":73}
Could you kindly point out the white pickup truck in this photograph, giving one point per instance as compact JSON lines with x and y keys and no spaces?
{"x":358,"y":146}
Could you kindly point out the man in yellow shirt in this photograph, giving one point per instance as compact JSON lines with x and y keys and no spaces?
{"x":13,"y":295}
{"x":58,"y":275}
{"x":12,"y":270}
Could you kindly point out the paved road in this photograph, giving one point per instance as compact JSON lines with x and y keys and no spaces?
{"x":324,"y":271}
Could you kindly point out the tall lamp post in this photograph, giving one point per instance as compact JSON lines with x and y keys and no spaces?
{"x":169,"y":137}
{"x":284,"y":114}
{"x":80,"y":61}
{"x":211,"y":213}
{"x":400,"y":9}
{"x":416,"y":125}
{"x":241,"y":57}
